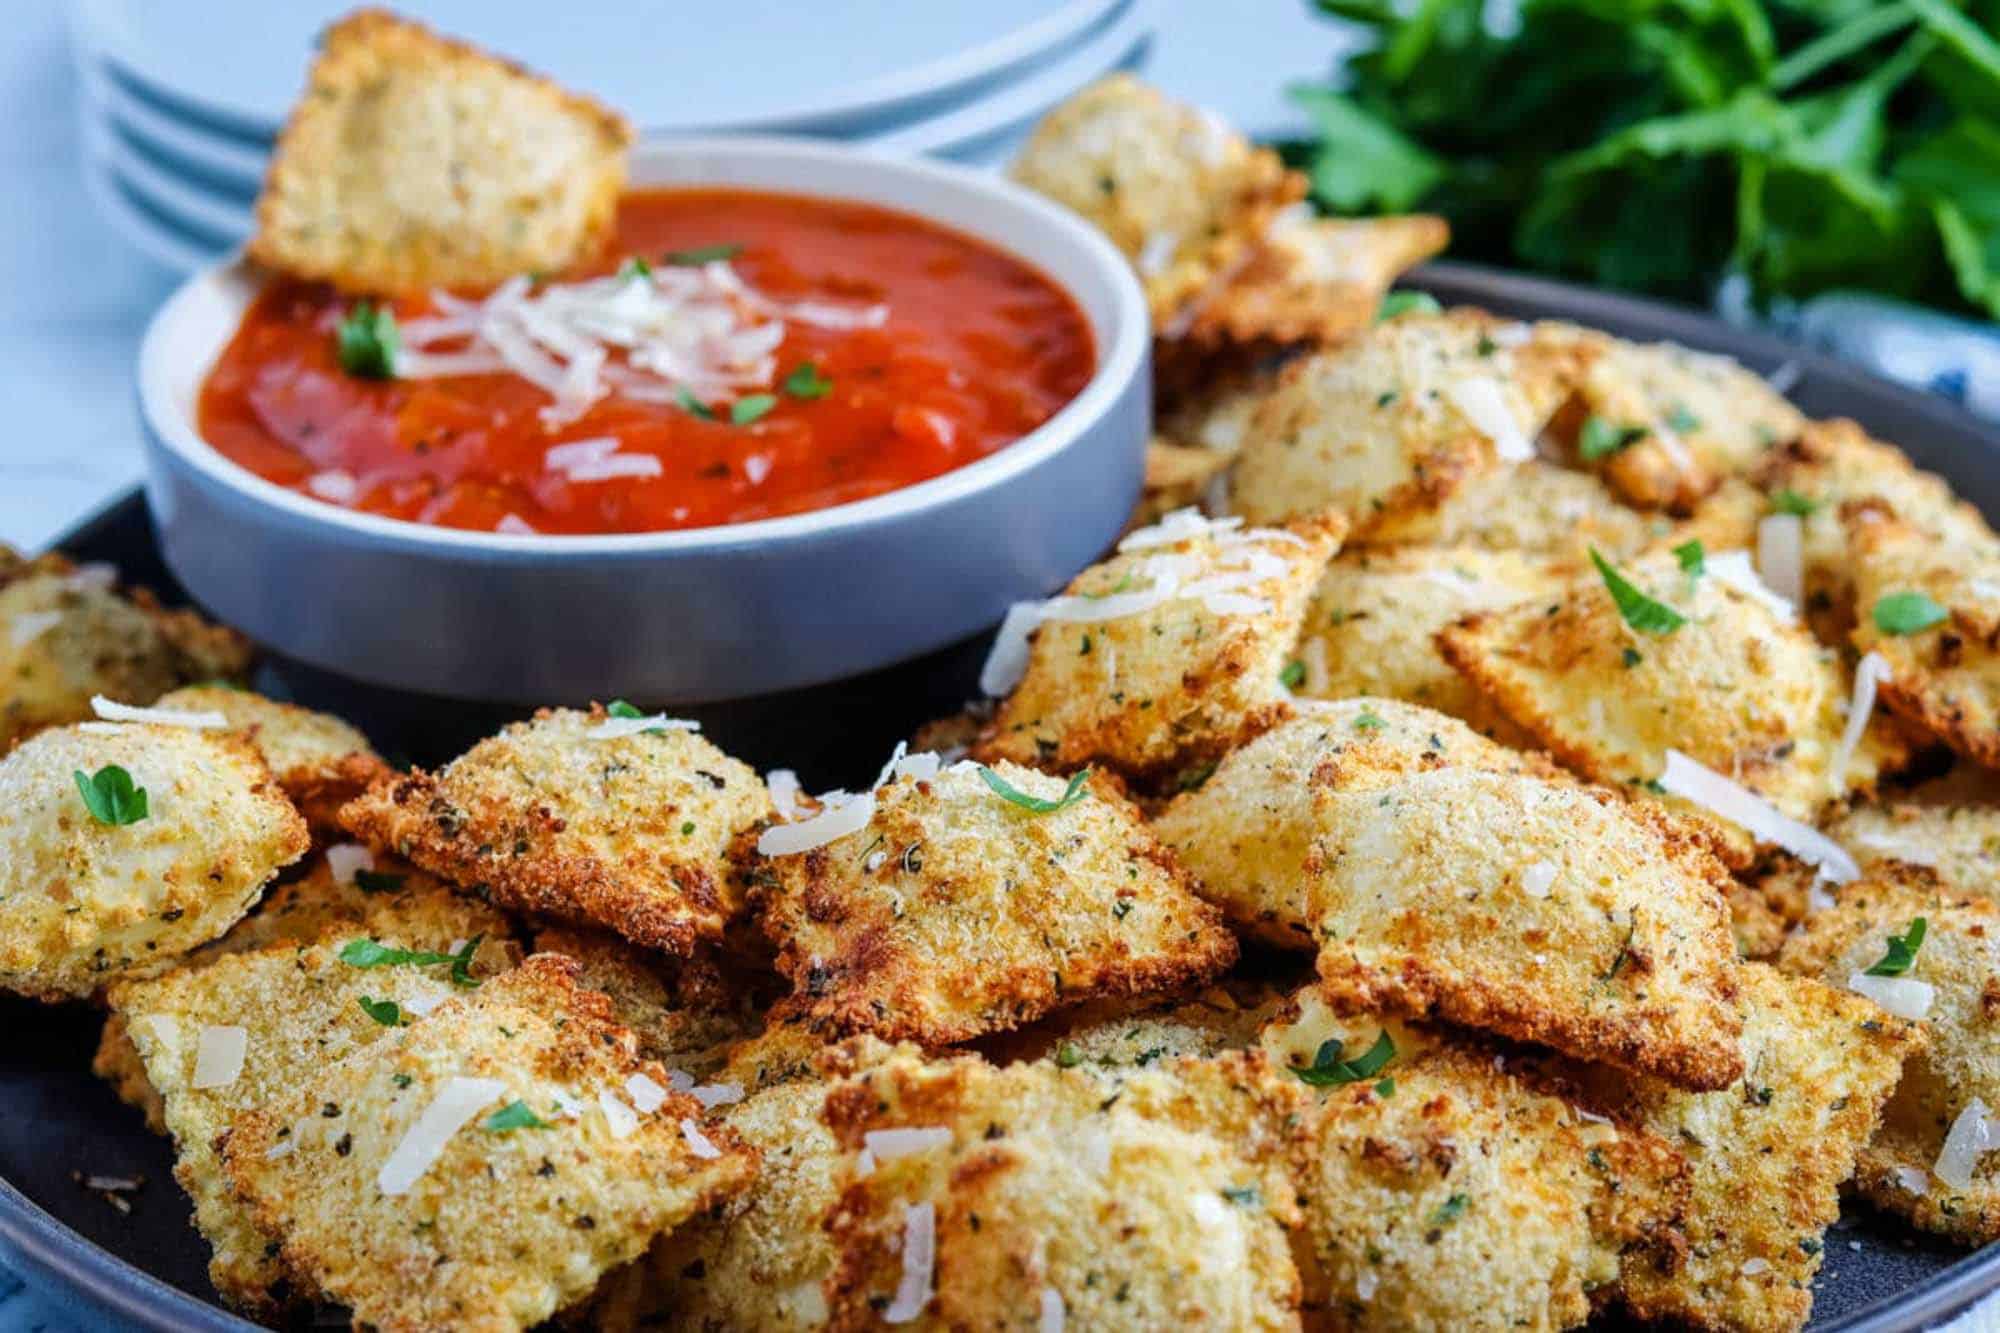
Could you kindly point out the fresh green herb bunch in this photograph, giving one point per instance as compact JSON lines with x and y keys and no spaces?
{"x":1659,"y":145}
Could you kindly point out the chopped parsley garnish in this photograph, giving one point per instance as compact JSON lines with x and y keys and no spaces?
{"x":514,"y":1115}
{"x":1369,"y":721}
{"x":1694,"y":560}
{"x":620,"y":708}
{"x":746,"y":410}
{"x":1901,"y":955}
{"x":378,"y":881}
{"x":1328,"y":1069}
{"x":367,"y":341}
{"x":1036,"y":804}
{"x":1294,"y":674}
{"x":1682,"y":420}
{"x":1631,"y":657}
{"x":370,"y":953}
{"x":1068,"y":1056}
{"x":702,"y":254}
{"x":635,"y":267}
{"x":807,"y":382}
{"x":1789,"y":501}
{"x":687,"y":828}
{"x":1402,"y":303}
{"x":110,"y":796}
{"x":1640,"y":611}
{"x":1908,"y":613}
{"x":694,"y":406}
{"x":1600,"y":438}
{"x":1386,"y":1088}
{"x":1450,"y":1210}
{"x":1244,"y":1195}
{"x":386,"y":1012}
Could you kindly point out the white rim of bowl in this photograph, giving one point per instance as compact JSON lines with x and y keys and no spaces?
{"x":1117,"y":364}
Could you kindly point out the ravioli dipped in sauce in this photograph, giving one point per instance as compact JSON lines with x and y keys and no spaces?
{"x":734,"y":356}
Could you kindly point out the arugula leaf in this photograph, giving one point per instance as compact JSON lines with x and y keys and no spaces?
{"x":386,"y":1012}
{"x":367,"y":341}
{"x":110,"y":796}
{"x":1901,"y":954}
{"x":746,"y":410}
{"x":1639,"y":611}
{"x":1036,"y":804}
{"x":1328,"y":1069}
{"x":702,"y":254}
{"x":1599,"y":438}
{"x":514,"y":1115}
{"x":805,"y":381}
{"x":1901,"y":613}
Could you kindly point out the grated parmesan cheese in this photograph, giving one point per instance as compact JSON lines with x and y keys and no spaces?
{"x":784,"y":787}
{"x":515,"y":526}
{"x":1970,"y":1136}
{"x":613,"y":728}
{"x":712,"y":1095}
{"x":1739,"y":805}
{"x":889,"y":1144}
{"x":1479,"y":400}
{"x":335,"y":486}
{"x":95,"y":576}
{"x":1734,"y":569}
{"x":1869,"y":672}
{"x":457,"y":1102}
{"x":621,"y":1119}
{"x":25,"y":628}
{"x":112,"y":711}
{"x":647,"y":1095}
{"x":1537,"y":879}
{"x":913,"y":1290}
{"x":218,"y":1056}
{"x":1053,"y":1314}
{"x":1905,"y":997}
{"x":850,"y":815}
{"x":699,"y":1143}
{"x":344,"y":858}
{"x":1781,"y":555}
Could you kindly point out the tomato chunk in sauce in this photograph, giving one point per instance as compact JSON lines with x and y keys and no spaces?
{"x":974,"y":349}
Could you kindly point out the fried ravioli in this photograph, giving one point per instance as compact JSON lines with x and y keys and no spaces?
{"x":67,"y":634}
{"x":1542,"y":911}
{"x":1534,"y":507}
{"x":1767,"y":1155}
{"x":84,"y":901}
{"x":1037,"y":1196}
{"x":1372,"y":623}
{"x":1387,"y":427}
{"x":574,"y":815}
{"x":1246,"y":832}
{"x":1167,"y":654}
{"x":321,"y":762}
{"x":1668,"y":424}
{"x":1183,"y":196}
{"x":684,"y":1011}
{"x":435,"y":1177}
{"x":1738,"y":688}
{"x":1931,"y":612}
{"x":289,"y":1009}
{"x":414,"y":162}
{"x":978,"y":899}
{"x":1952,"y":980}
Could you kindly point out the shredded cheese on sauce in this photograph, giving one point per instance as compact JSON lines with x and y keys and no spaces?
{"x":699,"y":331}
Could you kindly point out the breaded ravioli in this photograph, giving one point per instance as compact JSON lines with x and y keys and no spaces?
{"x":1949,"y":980}
{"x":1246,"y":832}
{"x":1931,"y":612}
{"x":1180,"y":193}
{"x":413,"y":162}
{"x":67,"y":634}
{"x":320,"y":761}
{"x":1539,"y":910}
{"x":1835,"y":468}
{"x":1449,"y":1193}
{"x":1389,"y":426}
{"x":481,"y":1168}
{"x":761,"y":1260}
{"x":1535,"y":507}
{"x":1665,"y":423}
{"x":979,"y":899}
{"x":1004,"y":1197}
{"x":582,"y":816}
{"x":271,"y":1019}
{"x":1766,"y":1156}
{"x":1315,"y":280}
{"x":98,"y":881}
{"x":684,"y":1011}
{"x":1739,"y":687}
{"x":1372,"y":623}
{"x":1112,"y":1039}
{"x":1167,"y":654}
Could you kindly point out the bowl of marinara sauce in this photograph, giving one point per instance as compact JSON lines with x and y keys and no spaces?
{"x":811,"y":413}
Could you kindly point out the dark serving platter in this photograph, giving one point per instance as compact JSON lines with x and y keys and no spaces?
{"x":146,"y":1268}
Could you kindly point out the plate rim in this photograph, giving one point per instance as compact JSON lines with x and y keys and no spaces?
{"x":941,"y":76}
{"x":53,"y":1256}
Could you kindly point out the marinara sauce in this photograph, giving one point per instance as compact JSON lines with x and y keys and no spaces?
{"x":978,"y":349}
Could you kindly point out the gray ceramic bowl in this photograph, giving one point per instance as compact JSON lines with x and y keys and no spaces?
{"x":674,"y":617}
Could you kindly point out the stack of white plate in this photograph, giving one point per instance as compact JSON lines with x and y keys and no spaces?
{"x":181,"y":103}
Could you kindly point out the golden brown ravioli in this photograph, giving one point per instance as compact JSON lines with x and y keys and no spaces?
{"x":413,"y":162}
{"x":574,"y":815}
{"x":321,"y":762}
